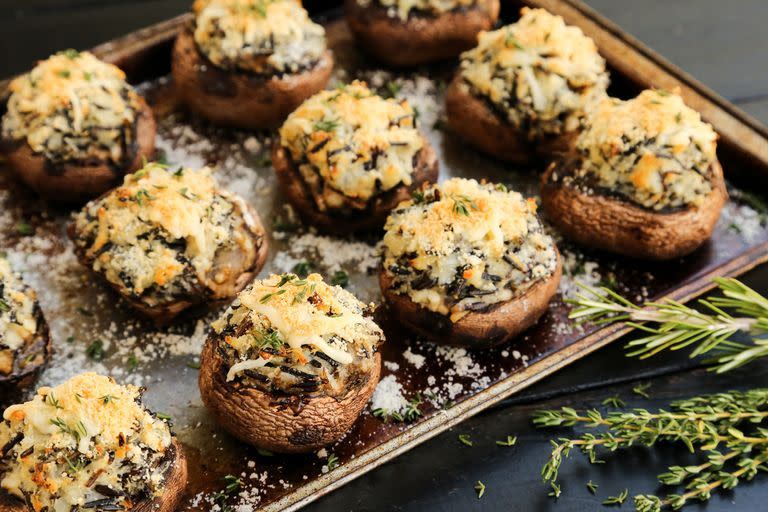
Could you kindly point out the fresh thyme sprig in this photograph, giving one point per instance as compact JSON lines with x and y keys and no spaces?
{"x":723,"y":428}
{"x":670,"y":325}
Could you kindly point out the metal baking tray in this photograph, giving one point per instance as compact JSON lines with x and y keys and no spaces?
{"x":94,"y":330}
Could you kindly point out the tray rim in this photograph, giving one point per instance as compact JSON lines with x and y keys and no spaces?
{"x":740,"y":128}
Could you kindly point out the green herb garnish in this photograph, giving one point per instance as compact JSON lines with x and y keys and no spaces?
{"x":24,"y":228}
{"x":95,"y":350}
{"x":464,"y":439}
{"x":340,"y":278}
{"x":303,"y":268}
{"x":614,"y":401}
{"x":480,"y":488}
{"x":642,"y":389}
{"x":510,"y":441}
{"x":617,"y":500}
{"x":592,"y":487}
{"x":326,"y":125}
{"x":332,"y":462}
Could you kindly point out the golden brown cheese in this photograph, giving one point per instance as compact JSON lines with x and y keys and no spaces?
{"x":73,"y":107}
{"x":18,"y":304}
{"x":289,"y":320}
{"x":85,"y":435}
{"x":149,"y":232}
{"x":653,"y":149}
{"x":403,"y":8}
{"x":260,"y":36}
{"x":542,"y":75}
{"x":465,"y":244}
{"x":352,"y":142}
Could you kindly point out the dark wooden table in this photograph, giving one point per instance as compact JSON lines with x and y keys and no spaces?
{"x":723,"y":44}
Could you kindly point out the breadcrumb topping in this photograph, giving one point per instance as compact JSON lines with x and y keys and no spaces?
{"x":85,"y":440}
{"x":465,"y":245}
{"x":540,"y":74}
{"x":653,"y":150}
{"x":18,"y":322}
{"x":300,"y":335}
{"x":350,"y":144}
{"x":260,"y":36}
{"x":404,"y":8}
{"x":73,"y":107}
{"x":157,"y":236}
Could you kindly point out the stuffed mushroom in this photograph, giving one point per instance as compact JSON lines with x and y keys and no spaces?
{"x":346,"y":157}
{"x":291,"y":364}
{"x":170,"y":238}
{"x":644,"y":179}
{"x":525,"y":90}
{"x":411,"y":32}
{"x":468,"y":263}
{"x":25,"y":344}
{"x":73,"y":127}
{"x":89,"y":444}
{"x":249,"y":63}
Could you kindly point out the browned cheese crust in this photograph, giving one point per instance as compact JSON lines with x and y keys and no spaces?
{"x":239,"y":277}
{"x":77,"y":182}
{"x":499,"y":324}
{"x":176,"y":483}
{"x":293,"y":188}
{"x":419,"y":39}
{"x":25,"y":374}
{"x":614,"y":225}
{"x":259,"y":419}
{"x":241,"y":99}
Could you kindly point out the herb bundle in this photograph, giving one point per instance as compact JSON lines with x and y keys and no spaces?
{"x":724,"y":429}
{"x":670,"y":325}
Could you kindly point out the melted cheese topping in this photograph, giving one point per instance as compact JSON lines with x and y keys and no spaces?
{"x":289,"y":319}
{"x":539,"y":73}
{"x":18,"y":304}
{"x":466,"y":245}
{"x":653,"y":150}
{"x":71,"y":443}
{"x":350,"y":144}
{"x":161,"y":230}
{"x":73,"y":106}
{"x":403,"y":8}
{"x":260,"y":36}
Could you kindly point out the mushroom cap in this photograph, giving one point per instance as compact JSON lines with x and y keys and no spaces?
{"x":22,"y":378}
{"x":616,"y":225}
{"x":292,"y":187}
{"x":237,"y":98}
{"x":473,"y":119}
{"x":477,"y":329}
{"x":76,"y":182}
{"x":238,"y":274}
{"x":419,"y":39}
{"x":254,"y":417}
{"x":175,"y":485}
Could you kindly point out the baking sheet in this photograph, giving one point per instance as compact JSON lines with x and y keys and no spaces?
{"x":94,"y":330}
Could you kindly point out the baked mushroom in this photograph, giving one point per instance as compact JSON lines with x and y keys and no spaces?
{"x":249,"y":63}
{"x":73,"y":127}
{"x":644,"y":179}
{"x":168,"y":239}
{"x":89,"y":444}
{"x":291,"y":364}
{"x":526,"y":88}
{"x":411,"y":32}
{"x":25,"y":344}
{"x":345,"y":158}
{"x":468,"y":263}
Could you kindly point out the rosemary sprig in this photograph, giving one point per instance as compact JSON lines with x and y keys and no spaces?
{"x":705,"y":425}
{"x":670,"y":325}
